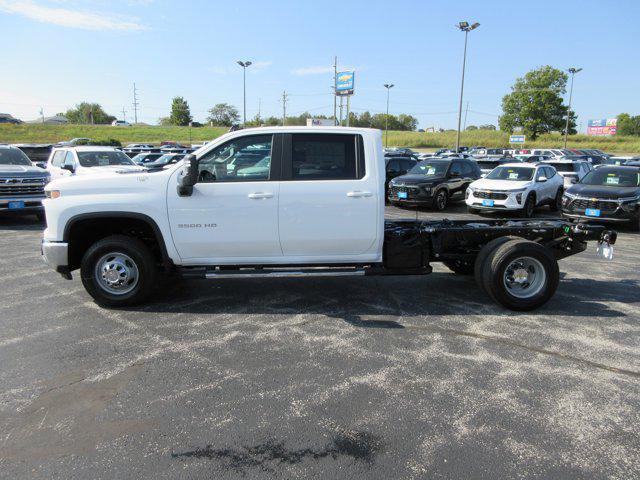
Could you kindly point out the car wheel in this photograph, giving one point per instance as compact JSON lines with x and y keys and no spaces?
{"x":441,"y":200}
{"x":521,"y":275}
{"x":557,"y":203}
{"x":475,"y":211}
{"x":635,"y":222}
{"x":529,"y":206}
{"x":119,"y":271}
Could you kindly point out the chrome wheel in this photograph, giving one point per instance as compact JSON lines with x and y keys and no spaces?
{"x":441,"y":200}
{"x":525,"y":277}
{"x":116,"y":273}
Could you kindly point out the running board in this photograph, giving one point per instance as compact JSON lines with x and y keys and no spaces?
{"x":217,"y":274}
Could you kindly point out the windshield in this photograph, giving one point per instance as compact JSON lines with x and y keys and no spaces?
{"x":165,"y":160}
{"x":103,"y":159}
{"x":612,"y":178}
{"x":514,"y":174}
{"x":11,"y":156}
{"x":562,"y":166}
{"x":431,"y":169}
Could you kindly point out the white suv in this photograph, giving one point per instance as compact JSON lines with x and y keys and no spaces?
{"x":87,"y":160}
{"x":516,"y":186}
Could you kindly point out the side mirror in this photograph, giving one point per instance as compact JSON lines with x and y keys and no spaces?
{"x":69,"y":168}
{"x":542,"y":179}
{"x":189,"y":176}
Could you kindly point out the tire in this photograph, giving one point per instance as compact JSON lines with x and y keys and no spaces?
{"x":460,"y":267}
{"x":484,"y":253}
{"x":129,"y":263}
{"x":556,"y":205}
{"x":635,"y":223}
{"x":521,"y":275}
{"x":529,"y":206}
{"x":472,"y":210}
{"x":440,"y":200}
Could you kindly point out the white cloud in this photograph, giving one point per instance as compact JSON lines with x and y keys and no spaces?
{"x":319,"y":69}
{"x":67,"y":17}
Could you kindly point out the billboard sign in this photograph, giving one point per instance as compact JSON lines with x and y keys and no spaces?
{"x":602,"y":126}
{"x":320,"y":122}
{"x":344,"y":83}
{"x":516,"y":139}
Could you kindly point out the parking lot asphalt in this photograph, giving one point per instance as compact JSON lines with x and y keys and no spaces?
{"x":377,"y":377}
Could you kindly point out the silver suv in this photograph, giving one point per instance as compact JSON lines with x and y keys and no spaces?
{"x":21,"y":182}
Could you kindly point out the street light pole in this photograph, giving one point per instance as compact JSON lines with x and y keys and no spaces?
{"x":388,"y":86}
{"x":244,"y":66}
{"x":466,"y":28}
{"x":573,"y":72}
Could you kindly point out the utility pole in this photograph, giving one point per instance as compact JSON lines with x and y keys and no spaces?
{"x":284,"y":107}
{"x":124,"y":115}
{"x":135,"y":103}
{"x":573,"y":72}
{"x":388,"y":86}
{"x":466,"y":28}
{"x":466,"y":112}
{"x":341,"y":109}
{"x":42,"y":114}
{"x":259,"y":110}
{"x":335,"y":86}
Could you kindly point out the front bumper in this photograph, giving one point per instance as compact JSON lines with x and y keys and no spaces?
{"x":610,"y":210}
{"x":414,"y":195}
{"x":509,"y":203}
{"x":56,"y":255}
{"x":30,"y":203}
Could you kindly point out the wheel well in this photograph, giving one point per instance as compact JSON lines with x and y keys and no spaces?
{"x":84,"y":232}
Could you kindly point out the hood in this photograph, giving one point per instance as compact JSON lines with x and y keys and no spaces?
{"x":487,"y":184}
{"x":22,"y":171}
{"x":415,"y":179}
{"x":602,"y":191}
{"x":110,"y":169}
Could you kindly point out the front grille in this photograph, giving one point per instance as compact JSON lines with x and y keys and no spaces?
{"x":22,"y":186}
{"x":605,"y":206}
{"x":412,"y":192}
{"x":491,"y":195}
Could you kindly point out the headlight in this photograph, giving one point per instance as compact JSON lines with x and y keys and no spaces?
{"x":52,"y":193}
{"x":426,"y":189}
{"x":471,"y":189}
{"x":568,"y":195}
{"x":629,"y":199}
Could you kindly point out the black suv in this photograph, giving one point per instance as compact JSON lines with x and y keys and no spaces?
{"x":434,"y":182}
{"x":396,"y":166}
{"x":608,"y":193}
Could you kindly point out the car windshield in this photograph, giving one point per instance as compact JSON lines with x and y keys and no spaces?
{"x":164,"y":160}
{"x":563,"y":166}
{"x":10,"y":156}
{"x":103,"y":159}
{"x":612,"y":178}
{"x":514,"y":174}
{"x":431,"y":169}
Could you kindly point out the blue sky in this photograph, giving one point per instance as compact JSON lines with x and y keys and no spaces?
{"x":57,"y":53}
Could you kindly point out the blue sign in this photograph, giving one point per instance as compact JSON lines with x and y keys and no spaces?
{"x":344,"y":83}
{"x":516,"y":139}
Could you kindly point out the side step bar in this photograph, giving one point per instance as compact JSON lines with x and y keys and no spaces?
{"x":217,"y":274}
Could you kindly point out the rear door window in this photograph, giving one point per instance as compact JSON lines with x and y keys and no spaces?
{"x":326,"y":157}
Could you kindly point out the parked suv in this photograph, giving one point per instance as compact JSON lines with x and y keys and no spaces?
{"x":516,"y":187}
{"x":571,"y":170}
{"x":608,"y":193}
{"x":87,"y":160}
{"x":433,"y":183}
{"x":396,"y":166}
{"x":21,"y":182}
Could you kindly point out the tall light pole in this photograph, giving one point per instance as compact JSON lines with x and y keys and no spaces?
{"x":388,"y":86}
{"x":466,"y":28}
{"x":573,"y":72}
{"x":244,"y":66}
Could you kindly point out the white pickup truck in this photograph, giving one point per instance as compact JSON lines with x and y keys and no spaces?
{"x":312,"y":204}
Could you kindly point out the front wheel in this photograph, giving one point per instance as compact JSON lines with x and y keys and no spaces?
{"x":557,"y":203}
{"x":441,"y":200}
{"x":119,"y":271}
{"x":529,"y":206}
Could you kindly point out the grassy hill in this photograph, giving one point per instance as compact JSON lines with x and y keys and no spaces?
{"x":34,"y":133}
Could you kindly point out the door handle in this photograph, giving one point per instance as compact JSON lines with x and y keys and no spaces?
{"x":358,"y":194}
{"x":258,"y":195}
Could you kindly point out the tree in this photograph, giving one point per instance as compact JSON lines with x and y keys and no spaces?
{"x":88,"y":113}
{"x":488,"y":126}
{"x":224,"y":115}
{"x":628,"y":125}
{"x":180,"y":113}
{"x":471,"y":127}
{"x":535,"y":103}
